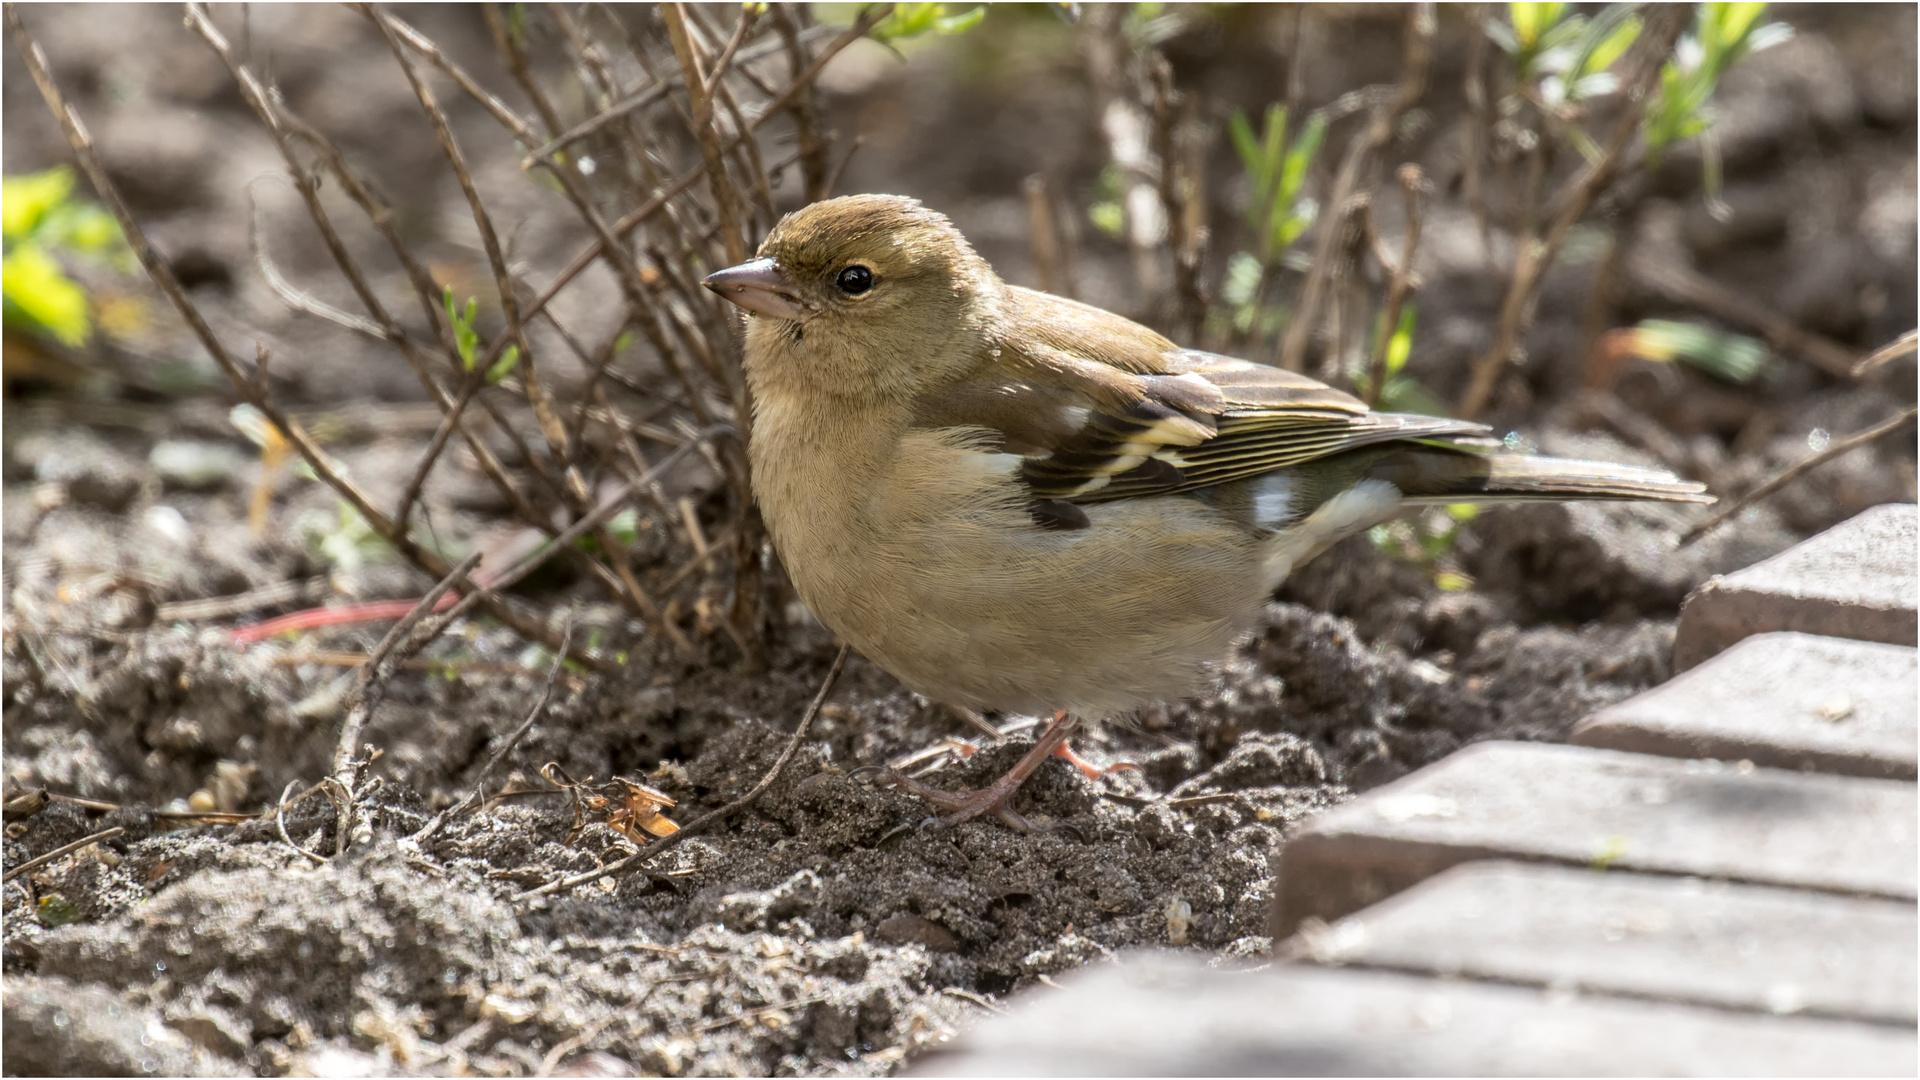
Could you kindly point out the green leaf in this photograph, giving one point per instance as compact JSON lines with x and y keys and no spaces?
{"x":37,"y":290}
{"x":1400,"y":346}
{"x":1734,"y":358}
{"x":55,"y":910}
{"x":1730,"y":22}
{"x":1108,"y":217}
{"x":1242,"y":277}
{"x":1530,"y":21}
{"x":912,"y":20}
{"x":1244,"y":142}
{"x":1561,"y":38}
{"x":1612,"y":35}
{"x":504,"y":366}
{"x":1300,"y":156}
{"x":465,"y":338}
{"x":24,"y":200}
{"x":625,"y":526}
{"x":961,"y":23}
{"x":85,"y":228}
{"x":1273,"y":148}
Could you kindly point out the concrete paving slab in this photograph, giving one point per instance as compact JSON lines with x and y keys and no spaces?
{"x":1856,"y":580}
{"x":1785,"y":700}
{"x":1748,"y":947}
{"x":1167,"y":1015}
{"x":1574,"y":805}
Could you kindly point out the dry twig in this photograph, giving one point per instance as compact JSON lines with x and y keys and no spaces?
{"x":1534,"y":257}
{"x":42,"y":860}
{"x":1402,"y":281}
{"x":1904,"y":345}
{"x":700,"y":824}
{"x":506,"y":745}
{"x":1348,"y":183}
{"x":1799,"y":469}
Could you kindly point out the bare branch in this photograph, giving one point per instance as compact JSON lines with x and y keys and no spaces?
{"x":1799,"y":469}
{"x":1665,"y":25}
{"x":1381,"y":123}
{"x":1401,"y":283}
{"x":1904,"y":345}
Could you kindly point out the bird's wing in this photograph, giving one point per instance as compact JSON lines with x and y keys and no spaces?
{"x":1102,"y":409}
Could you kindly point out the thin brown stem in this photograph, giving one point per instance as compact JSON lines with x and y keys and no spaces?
{"x":1381,"y":123}
{"x":449,"y":423}
{"x":700,"y":824}
{"x":537,"y":397}
{"x":1043,"y":236}
{"x":369,"y":685}
{"x":699,"y":89}
{"x":506,"y":745}
{"x":1400,"y":284}
{"x":1904,"y":345}
{"x":1665,"y":26}
{"x":68,"y":849}
{"x":1799,"y":469}
{"x":1667,"y":275}
{"x":654,"y":205}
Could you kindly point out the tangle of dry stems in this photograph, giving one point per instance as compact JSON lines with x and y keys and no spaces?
{"x":665,"y":169}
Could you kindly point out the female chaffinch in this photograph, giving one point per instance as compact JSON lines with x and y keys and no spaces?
{"x":1017,"y":502}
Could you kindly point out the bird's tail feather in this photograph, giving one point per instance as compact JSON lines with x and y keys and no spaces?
{"x":1439,"y":476}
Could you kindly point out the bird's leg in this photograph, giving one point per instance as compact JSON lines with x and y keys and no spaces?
{"x":1087,"y":768}
{"x":996,"y":798}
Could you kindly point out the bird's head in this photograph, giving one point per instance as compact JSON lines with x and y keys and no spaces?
{"x":864,"y":296}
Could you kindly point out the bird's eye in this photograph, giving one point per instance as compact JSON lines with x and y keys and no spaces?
{"x":854,"y":280}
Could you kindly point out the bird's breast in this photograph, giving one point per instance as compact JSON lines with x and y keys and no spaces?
{"x":921,"y":551}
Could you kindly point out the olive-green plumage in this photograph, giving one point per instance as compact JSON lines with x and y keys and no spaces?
{"x":1015,"y":501}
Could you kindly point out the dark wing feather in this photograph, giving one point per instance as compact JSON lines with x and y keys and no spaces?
{"x":1104,"y":409}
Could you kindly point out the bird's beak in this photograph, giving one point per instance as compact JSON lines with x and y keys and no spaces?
{"x":759,"y":286}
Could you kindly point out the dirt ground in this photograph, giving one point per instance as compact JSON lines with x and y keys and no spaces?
{"x":820,"y":932}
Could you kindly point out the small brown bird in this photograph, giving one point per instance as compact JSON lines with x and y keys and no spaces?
{"x":1017,"y":502}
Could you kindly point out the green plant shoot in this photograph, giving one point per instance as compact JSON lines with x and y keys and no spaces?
{"x":467,"y":340}
{"x":1722,"y":35}
{"x":39,"y":218}
{"x":907,"y":21}
{"x":1278,"y":171}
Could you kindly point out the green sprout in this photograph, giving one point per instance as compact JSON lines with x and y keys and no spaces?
{"x":1722,"y":35}
{"x":39,"y":218}
{"x":907,"y":21}
{"x":1279,"y":213}
{"x":1427,"y":541}
{"x":348,"y":542}
{"x":1561,"y":59}
{"x":1148,"y":25}
{"x":1104,"y":211}
{"x":1565,"y":54}
{"x":1399,"y":392}
{"x":1733,"y":358}
{"x":467,"y":340}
